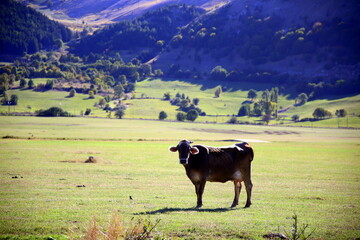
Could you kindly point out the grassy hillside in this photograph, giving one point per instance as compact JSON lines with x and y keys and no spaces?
{"x":149,"y":102}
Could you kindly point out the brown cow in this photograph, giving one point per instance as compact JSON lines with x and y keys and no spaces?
{"x":203,"y":163}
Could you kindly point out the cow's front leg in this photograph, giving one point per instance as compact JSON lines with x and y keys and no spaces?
{"x":199,"y":188}
{"x":237,"y":187}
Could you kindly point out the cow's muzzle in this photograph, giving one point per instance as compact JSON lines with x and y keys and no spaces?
{"x":183,"y":161}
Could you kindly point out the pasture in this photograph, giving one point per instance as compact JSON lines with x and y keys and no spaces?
{"x":148,"y":102}
{"x":46,"y":189}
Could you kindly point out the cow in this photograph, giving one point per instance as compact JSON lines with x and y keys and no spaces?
{"x":217,"y":164}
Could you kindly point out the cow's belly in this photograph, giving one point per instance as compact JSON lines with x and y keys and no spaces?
{"x":224,"y":177}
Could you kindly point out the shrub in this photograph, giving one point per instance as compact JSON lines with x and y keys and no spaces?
{"x":53,"y":112}
{"x":72,"y":92}
{"x":180,"y":116}
{"x":295,"y":117}
{"x":341,"y":113}
{"x":244,"y":110}
{"x":162,"y":115}
{"x":321,"y":113}
{"x":120,"y":113}
{"x":233,"y":120}
{"x":88,"y":111}
{"x":192,"y":115}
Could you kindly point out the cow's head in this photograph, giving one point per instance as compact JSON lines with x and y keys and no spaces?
{"x":185,"y":149}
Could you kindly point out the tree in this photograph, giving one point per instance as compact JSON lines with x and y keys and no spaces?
{"x":31,"y":84}
{"x":244,"y":110}
{"x":321,"y":113}
{"x":252,"y":94}
{"x":196,"y":101}
{"x":118,"y":91}
{"x":341,"y":113}
{"x":23,"y":83}
{"x":301,"y":99}
{"x":266,"y":118}
{"x":52,"y":112}
{"x":88,"y":111}
{"x":91,"y":94}
{"x":295,"y":117}
{"x":14,"y":99}
{"x":120,"y":113}
{"x":192,"y":115}
{"x":162,"y":115}
{"x":218,"y":73}
{"x":257,"y":110}
{"x":265,"y":95}
{"x":218,"y":92}
{"x":72,"y":92}
{"x":167,"y":96}
{"x":180,"y":116}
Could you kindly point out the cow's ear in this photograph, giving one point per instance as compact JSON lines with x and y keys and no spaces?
{"x":173,"y":149}
{"x":194,"y":150}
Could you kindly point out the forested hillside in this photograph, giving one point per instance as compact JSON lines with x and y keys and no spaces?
{"x":23,"y":29}
{"x":152,"y":31}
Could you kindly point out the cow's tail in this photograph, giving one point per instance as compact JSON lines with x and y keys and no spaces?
{"x":250,"y":150}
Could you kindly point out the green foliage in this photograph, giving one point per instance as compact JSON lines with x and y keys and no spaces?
{"x":53,"y":112}
{"x":341,"y":113}
{"x":87,"y":112}
{"x":218,"y":92}
{"x":298,"y":232}
{"x":25,"y":30}
{"x":295,"y":117}
{"x":167,"y":96}
{"x":218,"y":73}
{"x":72,"y":92}
{"x":162,"y":115}
{"x":120,"y":113}
{"x":244,"y":110}
{"x":180,"y":116}
{"x":321,"y":113}
{"x":252,"y":94}
{"x":301,"y":99}
{"x":143,"y":32}
{"x":192,"y":115}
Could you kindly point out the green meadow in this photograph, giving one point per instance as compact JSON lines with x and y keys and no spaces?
{"x":46,"y":189}
{"x":148,"y":103}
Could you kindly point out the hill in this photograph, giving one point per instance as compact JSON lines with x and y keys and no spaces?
{"x":95,"y":13}
{"x":309,"y":39}
{"x":23,"y":29}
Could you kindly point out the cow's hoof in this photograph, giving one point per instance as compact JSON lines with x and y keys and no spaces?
{"x":233,"y":205}
{"x":198,"y":206}
{"x":247,"y":205}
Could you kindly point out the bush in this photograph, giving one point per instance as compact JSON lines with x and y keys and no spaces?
{"x":244,"y":110}
{"x":119,"y":113}
{"x":88,"y":111}
{"x":72,"y":92}
{"x":295,"y":117}
{"x":341,"y":113}
{"x":233,"y":120}
{"x":192,"y":115}
{"x":162,"y":115}
{"x":321,"y":113}
{"x":53,"y":112}
{"x":180,"y":116}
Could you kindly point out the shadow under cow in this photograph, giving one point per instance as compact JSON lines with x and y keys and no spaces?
{"x":167,"y":210}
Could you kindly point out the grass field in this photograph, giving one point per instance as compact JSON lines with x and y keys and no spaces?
{"x":308,"y":171}
{"x":218,"y":110}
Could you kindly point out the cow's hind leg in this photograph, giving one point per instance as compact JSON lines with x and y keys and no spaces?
{"x":248,"y":186}
{"x":237,"y":187}
{"x":199,"y":188}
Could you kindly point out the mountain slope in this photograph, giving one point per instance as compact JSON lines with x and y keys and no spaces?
{"x":23,"y":29}
{"x":99,"y":12}
{"x":305,"y":38}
